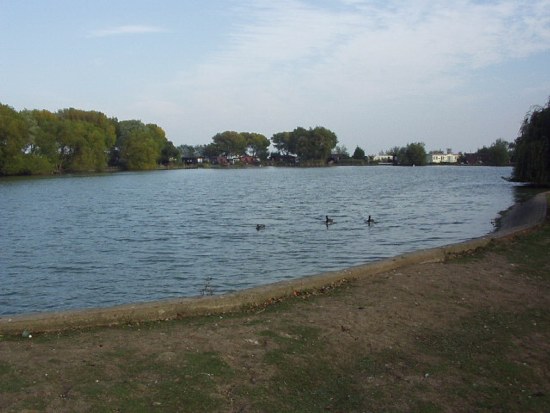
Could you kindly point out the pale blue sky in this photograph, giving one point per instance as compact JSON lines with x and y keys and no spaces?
{"x":457,"y":74}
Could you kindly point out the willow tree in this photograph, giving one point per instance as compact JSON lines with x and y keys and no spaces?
{"x":532,"y":148}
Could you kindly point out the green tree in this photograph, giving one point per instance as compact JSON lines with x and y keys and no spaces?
{"x":342,"y":151}
{"x":314,"y":144}
{"x":124,"y":130}
{"x":199,"y":150}
{"x":101,"y":121}
{"x":139,"y":151}
{"x":498,"y":154}
{"x":532,"y":148}
{"x":139,"y":146}
{"x":309,"y":144}
{"x":412,"y":154}
{"x":187,"y":151}
{"x":284,"y":142}
{"x":256,"y":144}
{"x":158,"y":138}
{"x":85,"y":138}
{"x":393,"y":151}
{"x":230,"y":143}
{"x":169,"y":153}
{"x":302,"y":143}
{"x":82,"y":147}
{"x":211,"y":150}
{"x":40,"y":142}
{"x":14,"y":142}
{"x":358,"y":153}
{"x":45,"y":130}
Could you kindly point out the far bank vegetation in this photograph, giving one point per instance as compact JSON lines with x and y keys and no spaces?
{"x":40,"y":142}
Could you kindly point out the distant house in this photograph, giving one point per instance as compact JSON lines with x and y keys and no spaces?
{"x":233,"y":159}
{"x":192,"y":160}
{"x":441,"y":157}
{"x":226,"y":160}
{"x":289,"y":159}
{"x":383,"y":159}
{"x":221,"y":160}
{"x":250,"y":160}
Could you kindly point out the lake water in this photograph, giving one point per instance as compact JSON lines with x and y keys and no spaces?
{"x":95,"y":241}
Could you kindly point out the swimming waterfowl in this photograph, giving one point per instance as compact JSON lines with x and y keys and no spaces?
{"x":328,"y":220}
{"x":260,"y":226}
{"x":370,"y":220}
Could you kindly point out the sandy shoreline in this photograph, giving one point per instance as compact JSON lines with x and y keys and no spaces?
{"x":520,"y":217}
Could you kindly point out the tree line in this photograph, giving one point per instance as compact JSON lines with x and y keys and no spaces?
{"x":40,"y":142}
{"x":72,"y":140}
{"x":308,"y":144}
{"x":36,"y":142}
{"x":500,"y":153}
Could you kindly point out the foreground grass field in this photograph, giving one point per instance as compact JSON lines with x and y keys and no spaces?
{"x":468,"y":335}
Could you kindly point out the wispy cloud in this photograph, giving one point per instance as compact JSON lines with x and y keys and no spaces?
{"x":370,"y":50}
{"x":126,"y":30}
{"x":352,"y":64}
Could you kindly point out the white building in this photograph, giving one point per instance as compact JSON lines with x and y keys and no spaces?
{"x":440,"y":157}
{"x":383,"y":158}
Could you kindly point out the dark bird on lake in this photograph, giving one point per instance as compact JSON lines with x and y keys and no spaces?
{"x":328,"y":220}
{"x":260,"y":226}
{"x":370,"y":220}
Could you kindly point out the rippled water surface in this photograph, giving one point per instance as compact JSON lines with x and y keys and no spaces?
{"x":94,"y":241}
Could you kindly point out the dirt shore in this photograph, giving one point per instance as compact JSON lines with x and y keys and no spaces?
{"x":468,"y":334}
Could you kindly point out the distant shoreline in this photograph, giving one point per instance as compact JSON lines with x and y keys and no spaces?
{"x":115,"y":170}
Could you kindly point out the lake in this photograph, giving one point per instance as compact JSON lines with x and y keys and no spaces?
{"x":94,"y":241}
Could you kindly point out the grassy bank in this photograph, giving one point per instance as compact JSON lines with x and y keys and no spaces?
{"x":471,"y":334}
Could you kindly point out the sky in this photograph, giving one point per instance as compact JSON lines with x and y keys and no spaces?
{"x":451,"y":74}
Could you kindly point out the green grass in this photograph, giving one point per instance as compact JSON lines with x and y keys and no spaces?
{"x":305,"y":379}
{"x":10,"y":379}
{"x":482,"y":351}
{"x":529,"y":254}
{"x":188,"y":383}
